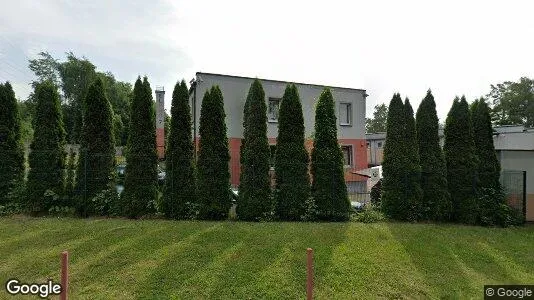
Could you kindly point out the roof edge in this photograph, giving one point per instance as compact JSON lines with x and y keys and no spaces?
{"x":273,"y":80}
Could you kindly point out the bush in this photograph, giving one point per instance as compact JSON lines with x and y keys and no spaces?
{"x":11,"y":208}
{"x":104,"y":202}
{"x":310,"y":210}
{"x":328,"y":188}
{"x":375,"y":193}
{"x":254,"y":189}
{"x":369,"y":214}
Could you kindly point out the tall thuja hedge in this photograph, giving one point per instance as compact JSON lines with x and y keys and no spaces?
{"x":140,"y":179}
{"x":180,"y":188}
{"x":462,"y":162}
{"x":11,"y":150}
{"x":436,"y":202}
{"x":97,"y":148}
{"x":414,"y":193}
{"x":489,"y":167}
{"x":291,"y":160}
{"x":328,"y":188}
{"x":254,"y":189}
{"x":47,"y":152}
{"x":395,"y":162}
{"x":212,"y":165}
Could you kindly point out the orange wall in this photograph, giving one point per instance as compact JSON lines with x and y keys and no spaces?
{"x":359,"y":157}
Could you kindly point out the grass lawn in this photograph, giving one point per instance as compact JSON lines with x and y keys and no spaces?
{"x":156,"y":259}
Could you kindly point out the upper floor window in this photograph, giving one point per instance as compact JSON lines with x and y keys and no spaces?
{"x":345,"y":114}
{"x":272,"y":109}
{"x":347,"y":155}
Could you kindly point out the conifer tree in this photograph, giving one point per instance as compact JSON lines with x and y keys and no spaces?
{"x":213,"y":173}
{"x":140,"y":181}
{"x":47,"y":153}
{"x":393,"y":166}
{"x":97,"y":149}
{"x":328,"y":188}
{"x":11,"y":150}
{"x":414,"y":193}
{"x":70,"y":185}
{"x":254,"y":189}
{"x":291,"y":160}
{"x":489,"y":167}
{"x":462,"y":162}
{"x":180,"y":190}
{"x":436,"y":202}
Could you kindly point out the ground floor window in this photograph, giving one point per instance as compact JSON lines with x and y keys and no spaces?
{"x":347,"y":155}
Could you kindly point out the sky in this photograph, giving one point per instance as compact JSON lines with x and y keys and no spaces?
{"x":451,"y":47}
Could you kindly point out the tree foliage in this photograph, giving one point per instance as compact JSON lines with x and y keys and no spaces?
{"x":180,"y":189}
{"x":414,"y":193}
{"x":74,"y":76}
{"x":489,"y":167}
{"x":395,"y":161}
{"x":11,"y":151}
{"x":47,"y":154}
{"x":379,"y":121}
{"x":254,"y":189}
{"x":436,"y":203}
{"x":462,"y":162}
{"x":213,"y":173}
{"x":140,"y":182}
{"x":328,"y":183}
{"x":97,"y":149}
{"x":291,"y":160}
{"x":513,"y":102}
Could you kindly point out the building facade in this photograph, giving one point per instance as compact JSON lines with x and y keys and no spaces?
{"x":349,"y":106}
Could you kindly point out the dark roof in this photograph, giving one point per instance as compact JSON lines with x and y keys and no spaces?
{"x":281,"y":81}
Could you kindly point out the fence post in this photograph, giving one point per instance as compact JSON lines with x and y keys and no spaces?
{"x":524,"y":196}
{"x":85,"y":179}
{"x":64,"y":275}
{"x":309,"y":277}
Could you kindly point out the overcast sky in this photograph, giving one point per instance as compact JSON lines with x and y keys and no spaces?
{"x":452,"y":47}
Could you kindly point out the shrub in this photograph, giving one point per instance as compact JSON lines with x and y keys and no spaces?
{"x":369,"y":214}
{"x":212,"y":166}
{"x":376,"y":193}
{"x":180,"y":185}
{"x":11,"y":150}
{"x":462,"y":162}
{"x":291,"y":160}
{"x":394,"y":166}
{"x":436,"y":202}
{"x":328,"y":183}
{"x":97,"y":151}
{"x":254,"y":189}
{"x":140,"y":180}
{"x":47,"y":157}
{"x":104,"y":202}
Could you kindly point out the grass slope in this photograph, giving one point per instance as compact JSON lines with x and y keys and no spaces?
{"x":155,"y":259}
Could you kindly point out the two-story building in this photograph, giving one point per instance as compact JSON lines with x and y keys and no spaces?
{"x":349,"y":106}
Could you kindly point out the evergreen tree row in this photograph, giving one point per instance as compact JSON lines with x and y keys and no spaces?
{"x":423,"y":182}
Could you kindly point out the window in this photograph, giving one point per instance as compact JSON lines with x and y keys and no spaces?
{"x":347,"y":155}
{"x":272,"y":149}
{"x":272,"y":110}
{"x":379,"y":144}
{"x":345,"y":114}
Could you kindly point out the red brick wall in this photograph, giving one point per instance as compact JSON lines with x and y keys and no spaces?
{"x":160,"y":142}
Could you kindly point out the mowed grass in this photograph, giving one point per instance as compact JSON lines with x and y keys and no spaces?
{"x":157,"y":259}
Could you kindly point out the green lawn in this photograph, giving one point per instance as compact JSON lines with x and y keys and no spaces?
{"x":156,"y":259}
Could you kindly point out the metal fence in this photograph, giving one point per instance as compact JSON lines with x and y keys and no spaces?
{"x":514,"y":185}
